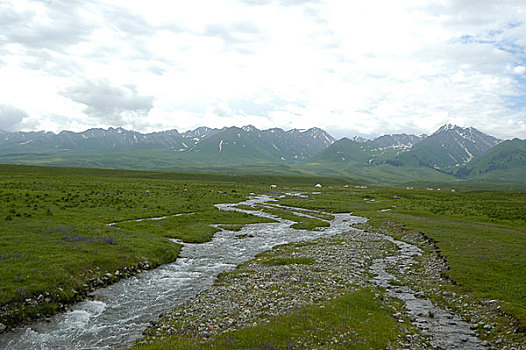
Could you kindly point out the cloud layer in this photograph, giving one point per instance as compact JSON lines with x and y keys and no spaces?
{"x":353,"y":68}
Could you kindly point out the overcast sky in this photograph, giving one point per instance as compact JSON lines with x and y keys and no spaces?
{"x":350,"y":67}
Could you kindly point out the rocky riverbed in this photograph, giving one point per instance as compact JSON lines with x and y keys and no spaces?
{"x":407,"y":276}
{"x":427,"y":276}
{"x":115,"y":316}
{"x":259,"y":290}
{"x":433,"y":316}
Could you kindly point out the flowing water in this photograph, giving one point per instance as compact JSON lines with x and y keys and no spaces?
{"x":446,"y":329}
{"x":117,"y":315}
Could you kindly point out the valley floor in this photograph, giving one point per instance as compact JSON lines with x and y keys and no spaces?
{"x":56,"y":241}
{"x":322,"y":295}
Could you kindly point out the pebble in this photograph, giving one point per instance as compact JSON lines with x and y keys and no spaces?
{"x":259,"y":292}
{"x":262,"y":291}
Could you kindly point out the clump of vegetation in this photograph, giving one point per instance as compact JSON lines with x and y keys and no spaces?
{"x":356,"y":320}
{"x":394,"y":282}
{"x":302,"y":222}
{"x":231,"y":227}
{"x":293,"y":260}
{"x":236,"y":272}
{"x":245,"y":235}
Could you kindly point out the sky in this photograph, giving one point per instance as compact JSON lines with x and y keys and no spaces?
{"x":353,"y":68}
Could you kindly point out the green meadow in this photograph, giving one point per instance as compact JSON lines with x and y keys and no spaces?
{"x":482,"y":234}
{"x":55,"y":234}
{"x":302,"y":222}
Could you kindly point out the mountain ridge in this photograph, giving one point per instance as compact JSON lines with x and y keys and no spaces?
{"x":444,"y":155}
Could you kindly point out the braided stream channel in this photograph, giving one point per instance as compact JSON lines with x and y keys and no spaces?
{"x":115,"y":316}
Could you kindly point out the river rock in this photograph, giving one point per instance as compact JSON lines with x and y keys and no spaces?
{"x":3,"y":327}
{"x":248,"y":299}
{"x":233,"y":301}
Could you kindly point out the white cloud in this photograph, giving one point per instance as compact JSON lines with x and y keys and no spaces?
{"x":121,"y":105}
{"x":11,"y":117}
{"x":364,"y":68}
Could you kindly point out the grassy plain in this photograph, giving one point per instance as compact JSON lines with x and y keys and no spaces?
{"x":482,"y":234}
{"x":55,"y":236}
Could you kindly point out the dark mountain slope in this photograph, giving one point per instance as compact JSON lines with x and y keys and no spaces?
{"x":449,"y":147}
{"x":505,"y":162}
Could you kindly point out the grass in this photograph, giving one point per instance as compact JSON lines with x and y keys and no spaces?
{"x":287,"y":261}
{"x":482,"y":234}
{"x":302,"y":222}
{"x":357,"y":320}
{"x":196,"y":227}
{"x":231,"y":227}
{"x":55,"y":237}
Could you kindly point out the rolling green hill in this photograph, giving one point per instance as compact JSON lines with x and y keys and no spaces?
{"x":359,"y":160}
{"x":505,"y":163}
{"x":232,"y":146}
{"x":451,"y":154}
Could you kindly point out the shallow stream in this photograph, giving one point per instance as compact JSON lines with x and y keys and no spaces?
{"x":446,"y":329}
{"x":117,"y":315}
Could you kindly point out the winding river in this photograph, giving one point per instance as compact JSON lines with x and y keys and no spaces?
{"x":116,"y":316}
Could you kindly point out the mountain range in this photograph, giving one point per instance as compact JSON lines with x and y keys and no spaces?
{"x":227,"y":145}
{"x":452,"y":153}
